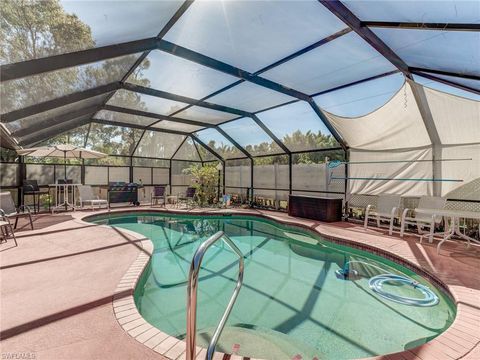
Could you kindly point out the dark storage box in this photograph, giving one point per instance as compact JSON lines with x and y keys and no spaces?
{"x":315,"y":208}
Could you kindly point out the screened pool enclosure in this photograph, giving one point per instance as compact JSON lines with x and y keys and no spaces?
{"x":267,"y":89}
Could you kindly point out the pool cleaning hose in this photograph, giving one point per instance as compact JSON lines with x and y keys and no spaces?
{"x":429,"y":297}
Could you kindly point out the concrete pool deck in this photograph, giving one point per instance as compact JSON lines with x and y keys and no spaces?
{"x":58,"y":284}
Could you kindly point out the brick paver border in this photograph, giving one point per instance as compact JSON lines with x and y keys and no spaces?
{"x":455,"y":343}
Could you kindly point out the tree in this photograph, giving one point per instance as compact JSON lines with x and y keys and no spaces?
{"x":296,"y":140}
{"x":39,"y":28}
{"x":205,"y":181}
{"x":36,"y":29}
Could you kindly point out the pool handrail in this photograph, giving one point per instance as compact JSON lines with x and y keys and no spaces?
{"x":192,"y":295}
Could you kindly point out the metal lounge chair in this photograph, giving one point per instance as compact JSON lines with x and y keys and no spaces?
{"x":88,"y":198}
{"x":387,"y":209}
{"x":9,"y":210}
{"x":6,"y":228}
{"x":158,"y":193}
{"x":423,"y":220}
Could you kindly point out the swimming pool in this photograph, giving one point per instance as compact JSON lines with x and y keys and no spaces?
{"x":292,"y":301}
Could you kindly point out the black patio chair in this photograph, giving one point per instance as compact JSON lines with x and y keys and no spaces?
{"x":30,"y":187}
{"x":158,"y":193}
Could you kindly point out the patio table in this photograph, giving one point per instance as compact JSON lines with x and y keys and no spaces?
{"x":454,"y":228}
{"x":64,"y":188}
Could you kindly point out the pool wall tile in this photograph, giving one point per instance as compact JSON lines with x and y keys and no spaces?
{"x":456,"y":342}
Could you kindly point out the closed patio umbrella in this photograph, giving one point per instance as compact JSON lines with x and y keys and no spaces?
{"x":66,"y":151}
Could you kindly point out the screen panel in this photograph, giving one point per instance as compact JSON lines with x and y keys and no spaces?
{"x":298,"y":127}
{"x":250,"y":97}
{"x":251,"y":137}
{"x":271,"y":173}
{"x":142,"y":175}
{"x":158,"y":145}
{"x":219,"y":143}
{"x":143,"y":102}
{"x":238,"y":173}
{"x":118,"y":173}
{"x":423,"y":11}
{"x":453,"y":51}
{"x":358,"y":100}
{"x":445,"y":88}
{"x":43,"y":117}
{"x":341,"y":61}
{"x":252,"y":34}
{"x":75,"y":137}
{"x":113,"y":140}
{"x":96,"y":175}
{"x":205,"y":154}
{"x":179,"y":76}
{"x":124,"y":118}
{"x":187,"y":151}
{"x":177,"y":126}
{"x":309,"y":172}
{"x":67,"y":26}
{"x":205,"y":115}
{"x":20,"y":93}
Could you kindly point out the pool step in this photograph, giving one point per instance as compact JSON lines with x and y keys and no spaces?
{"x":261,"y":343}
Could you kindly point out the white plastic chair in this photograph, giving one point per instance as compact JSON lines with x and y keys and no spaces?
{"x":9,"y":210}
{"x":87,"y":197}
{"x":424,"y":220}
{"x":387,"y":209}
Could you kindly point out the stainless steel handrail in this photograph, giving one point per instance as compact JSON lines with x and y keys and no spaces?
{"x":192,"y":296}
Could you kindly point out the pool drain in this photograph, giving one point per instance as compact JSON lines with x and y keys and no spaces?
{"x":429,"y":297}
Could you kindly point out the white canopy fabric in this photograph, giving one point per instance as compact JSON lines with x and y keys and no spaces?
{"x":456,"y":119}
{"x":397,"y":132}
{"x":396,"y":125}
{"x":64,"y":151}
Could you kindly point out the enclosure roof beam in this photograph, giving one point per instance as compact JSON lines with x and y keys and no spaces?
{"x":236,"y":144}
{"x":57,"y":120}
{"x":156,"y":116}
{"x":58,"y":102}
{"x":56,"y":62}
{"x":448,"y":82}
{"x":184,"y":99}
{"x":135,"y":126}
{"x":37,"y":138}
{"x":446,"y":73}
{"x":196,"y":148}
{"x":179,"y":146}
{"x":208,"y":148}
{"x":270,"y":133}
{"x":277,"y":63}
{"x":181,"y":10}
{"x":349,"y":18}
{"x":204,"y":60}
{"x":356,"y":82}
{"x":422,"y":25}
{"x":7,"y":140}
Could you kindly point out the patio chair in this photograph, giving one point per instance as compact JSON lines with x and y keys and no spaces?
{"x":386,"y":210}
{"x":87,"y":197}
{"x":30,"y":187}
{"x":158,"y":193}
{"x":6,"y":228}
{"x":188,"y":198}
{"x":9,"y":210}
{"x":423,"y":220}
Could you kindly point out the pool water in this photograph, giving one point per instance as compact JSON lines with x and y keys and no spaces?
{"x":291,"y":302}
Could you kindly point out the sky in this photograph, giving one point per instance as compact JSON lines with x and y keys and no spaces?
{"x":120,"y":21}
